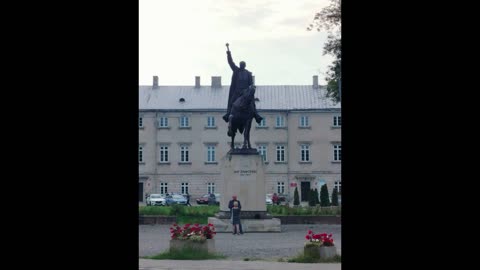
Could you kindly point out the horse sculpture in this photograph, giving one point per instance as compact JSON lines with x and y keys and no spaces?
{"x":241,"y":115}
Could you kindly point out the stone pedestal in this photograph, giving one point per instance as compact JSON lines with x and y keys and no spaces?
{"x":243,"y":175}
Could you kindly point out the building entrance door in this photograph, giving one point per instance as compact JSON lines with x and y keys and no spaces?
{"x":305,"y":187}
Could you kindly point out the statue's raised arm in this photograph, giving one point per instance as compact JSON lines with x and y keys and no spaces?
{"x":230,"y":60}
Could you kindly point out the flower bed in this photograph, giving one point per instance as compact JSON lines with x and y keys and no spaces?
{"x":193,"y":237}
{"x":319,"y":245}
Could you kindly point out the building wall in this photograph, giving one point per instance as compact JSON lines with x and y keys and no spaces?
{"x":320,"y":135}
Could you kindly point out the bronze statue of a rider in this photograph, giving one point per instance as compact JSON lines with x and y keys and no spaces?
{"x":241,"y":79}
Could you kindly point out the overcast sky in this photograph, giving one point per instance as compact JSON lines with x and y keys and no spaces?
{"x":182,"y":39}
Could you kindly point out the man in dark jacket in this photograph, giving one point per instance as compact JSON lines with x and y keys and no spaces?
{"x":241,"y":79}
{"x":230,"y":206}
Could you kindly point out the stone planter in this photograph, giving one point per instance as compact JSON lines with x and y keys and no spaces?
{"x":208,"y":245}
{"x":312,"y":251}
{"x":318,"y":252}
{"x":327,"y":252}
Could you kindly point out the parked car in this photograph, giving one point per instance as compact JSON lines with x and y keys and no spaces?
{"x":268,"y":199}
{"x":175,"y":199}
{"x":156,"y":199}
{"x":204,"y":199}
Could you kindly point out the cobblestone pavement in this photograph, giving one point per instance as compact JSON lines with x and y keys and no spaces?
{"x":154,"y":239}
{"x":228,"y":265}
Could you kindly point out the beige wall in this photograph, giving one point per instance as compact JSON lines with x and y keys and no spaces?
{"x":320,"y":135}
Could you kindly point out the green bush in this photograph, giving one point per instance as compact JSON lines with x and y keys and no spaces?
{"x":296,"y":200}
{"x":317,"y":200}
{"x":154,"y":211}
{"x":311,"y":197}
{"x":335,"y":197}
{"x":324,"y":198}
{"x":285,"y":210}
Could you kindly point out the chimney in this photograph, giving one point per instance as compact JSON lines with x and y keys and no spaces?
{"x":253,"y":80}
{"x":197,"y":81}
{"x":216,"y":82}
{"x":315,"y":82}
{"x":155,"y":82}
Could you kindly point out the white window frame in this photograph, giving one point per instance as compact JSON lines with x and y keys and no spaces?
{"x":184,"y":188}
{"x":164,"y":154}
{"x":280,"y":187}
{"x":337,"y":152}
{"x":262,"y":123}
{"x":337,"y":120}
{"x":305,"y":152}
{"x":304,"y":121}
{"x":211,"y":188}
{"x":279,"y":121}
{"x":163,"y":188}
{"x":140,"y":154}
{"x":184,"y":153}
{"x":263,"y":150}
{"x":210,"y":121}
{"x":210,"y":153}
{"x":338,"y":186}
{"x":184,"y":121}
{"x":163,"y":121}
{"x":280,"y":153}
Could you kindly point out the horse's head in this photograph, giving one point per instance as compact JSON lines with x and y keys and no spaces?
{"x":249,"y":93}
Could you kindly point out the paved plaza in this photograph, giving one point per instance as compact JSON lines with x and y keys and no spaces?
{"x":266,"y":247}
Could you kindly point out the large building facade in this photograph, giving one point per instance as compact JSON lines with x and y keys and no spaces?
{"x":182,"y":138}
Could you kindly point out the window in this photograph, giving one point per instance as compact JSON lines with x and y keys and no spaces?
{"x":280,"y":122}
{"x":210,"y":187}
{"x":163,"y":121}
{"x":305,"y":152}
{"x":184,"y":121}
{"x":210,"y":153}
{"x":140,"y":122}
{"x":184,"y":188}
{"x":263,"y":123}
{"x":140,"y":154}
{"x":262,"y":149}
{"x":281,"y":153}
{"x":337,"y":121}
{"x":338,"y":186}
{"x":281,"y":187}
{"x":337,"y":152}
{"x":163,"y":153}
{"x":211,"y":121}
{"x":304,"y":121}
{"x":163,"y":188}
{"x":184,"y":153}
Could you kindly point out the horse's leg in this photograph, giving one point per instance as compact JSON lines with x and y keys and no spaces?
{"x":247,"y":133}
{"x":230,"y":130}
{"x":231,"y":133}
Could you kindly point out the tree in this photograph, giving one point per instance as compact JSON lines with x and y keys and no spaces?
{"x":335,"y":197}
{"x":324,"y":199}
{"x":296,"y":200}
{"x":311,"y":197}
{"x":317,"y":201}
{"x":329,"y":19}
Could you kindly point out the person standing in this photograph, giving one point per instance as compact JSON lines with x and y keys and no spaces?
{"x":235,"y":209}
{"x":211,"y":199}
{"x":187,"y":196}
